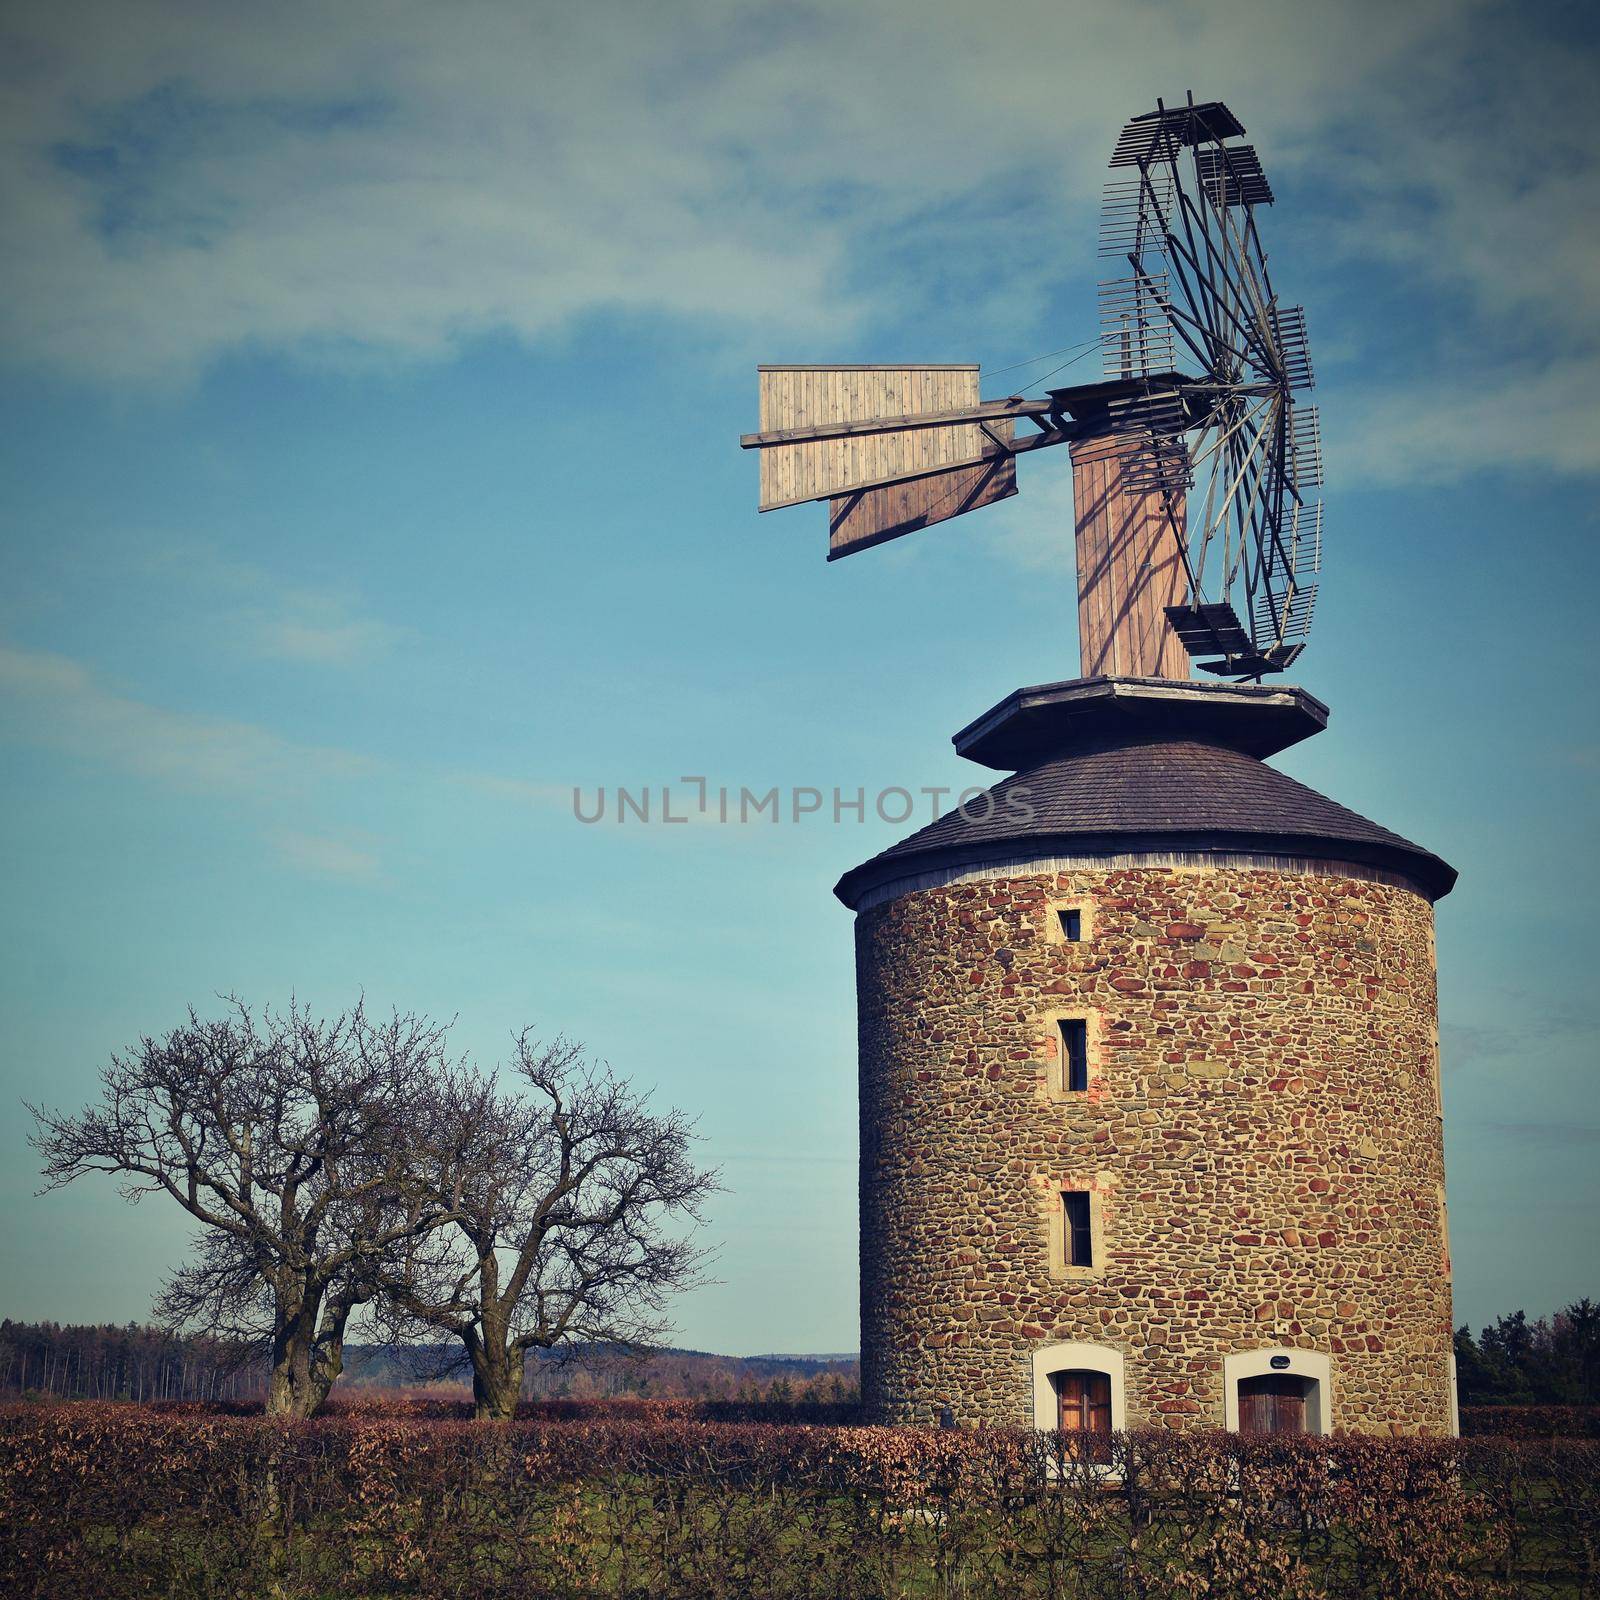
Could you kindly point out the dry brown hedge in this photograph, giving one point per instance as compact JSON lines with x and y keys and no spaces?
{"x":411,"y":1405}
{"x":1531,"y":1422}
{"x":109,"y":1500}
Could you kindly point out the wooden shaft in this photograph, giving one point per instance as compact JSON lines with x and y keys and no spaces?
{"x":984,"y":409}
{"x":1129,"y":569}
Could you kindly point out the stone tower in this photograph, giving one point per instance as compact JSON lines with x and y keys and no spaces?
{"x":1150,"y":1120}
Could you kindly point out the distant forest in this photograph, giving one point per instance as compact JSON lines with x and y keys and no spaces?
{"x":1514,"y":1361}
{"x":135,"y":1362}
{"x":121,"y":1363}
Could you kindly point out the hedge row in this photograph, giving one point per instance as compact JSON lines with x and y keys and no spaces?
{"x":1531,"y":1422}
{"x":1500,"y":1422}
{"x":111,"y":1501}
{"x":410,"y":1406}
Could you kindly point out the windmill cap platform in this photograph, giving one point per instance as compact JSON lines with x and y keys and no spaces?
{"x":1118,"y":768}
{"x":1030,"y":725}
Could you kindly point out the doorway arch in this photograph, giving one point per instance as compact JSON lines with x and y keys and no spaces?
{"x":1282,"y":1390}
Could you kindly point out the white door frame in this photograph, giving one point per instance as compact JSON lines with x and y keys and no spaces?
{"x":1054,"y":1358}
{"x":1281,"y":1362}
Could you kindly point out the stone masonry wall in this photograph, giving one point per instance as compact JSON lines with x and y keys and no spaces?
{"x":1261,"y":1135}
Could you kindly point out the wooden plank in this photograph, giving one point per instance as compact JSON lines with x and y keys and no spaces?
{"x":869,"y":517}
{"x":1129,"y":570}
{"x":1094,"y":579}
{"x":868,"y":366}
{"x":811,"y":417}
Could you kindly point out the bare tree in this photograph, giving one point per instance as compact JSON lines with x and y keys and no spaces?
{"x":568,"y":1231}
{"x":308,"y":1150}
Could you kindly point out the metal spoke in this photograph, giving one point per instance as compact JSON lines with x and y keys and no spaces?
{"x":1175,"y":260}
{"x":1218,"y":259}
{"x":1243,"y":466}
{"x":1172,"y":311}
{"x":1250,"y":348}
{"x":1249,"y":334}
{"x":1212,"y":479}
{"x":1261,"y":405}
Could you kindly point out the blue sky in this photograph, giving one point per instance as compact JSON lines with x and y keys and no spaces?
{"x":370,"y":388}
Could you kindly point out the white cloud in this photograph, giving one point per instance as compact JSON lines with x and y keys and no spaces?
{"x":266,"y":617}
{"x":520,"y":791}
{"x":324,"y":857}
{"x":1439,"y":430}
{"x":388,"y":180}
{"x":286,"y":787}
{"x":1541,"y":1034}
{"x":322,"y":640}
{"x":51,"y":701}
{"x":203,"y":181}
{"x":54,"y":701}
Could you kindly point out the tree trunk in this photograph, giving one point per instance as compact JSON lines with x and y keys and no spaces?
{"x":296,"y":1388}
{"x":496,"y":1373}
{"x":304,"y":1366}
{"x":327,"y":1364}
{"x":497,"y":1388}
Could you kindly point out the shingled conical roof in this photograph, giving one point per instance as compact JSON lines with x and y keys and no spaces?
{"x":1134,"y":788}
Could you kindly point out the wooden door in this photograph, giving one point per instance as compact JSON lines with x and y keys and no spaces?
{"x":1085,"y":1399}
{"x":1273,"y":1404}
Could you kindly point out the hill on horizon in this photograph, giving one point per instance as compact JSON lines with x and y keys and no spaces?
{"x":601,"y":1372}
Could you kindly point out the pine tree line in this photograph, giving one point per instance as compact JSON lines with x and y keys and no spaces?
{"x":107,"y":1362}
{"x":1554,"y":1361}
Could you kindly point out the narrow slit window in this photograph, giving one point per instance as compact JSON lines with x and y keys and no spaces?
{"x":1071,"y":925}
{"x":1075,"y":1231}
{"x":1074,"y":1054}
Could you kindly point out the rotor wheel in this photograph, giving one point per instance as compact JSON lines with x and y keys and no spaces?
{"x":1231,"y":450}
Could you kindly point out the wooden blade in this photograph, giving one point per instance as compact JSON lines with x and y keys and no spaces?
{"x":805,"y":397}
{"x":867,"y":517}
{"x":992,"y":451}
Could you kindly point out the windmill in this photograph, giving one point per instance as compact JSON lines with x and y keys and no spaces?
{"x":1194,"y":461}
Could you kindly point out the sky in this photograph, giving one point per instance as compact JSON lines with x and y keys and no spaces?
{"x":370,"y":385}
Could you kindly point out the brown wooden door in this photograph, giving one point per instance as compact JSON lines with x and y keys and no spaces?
{"x":1273,"y":1404}
{"x":1086,"y":1408}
